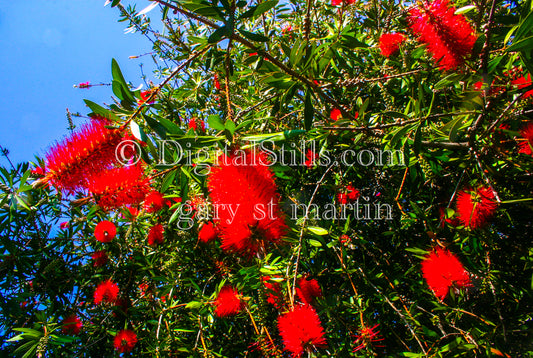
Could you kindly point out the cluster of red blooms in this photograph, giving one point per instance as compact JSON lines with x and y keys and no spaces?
{"x":449,"y":37}
{"x":228,"y":302}
{"x":526,"y":145}
{"x":273,"y":292}
{"x":249,"y":215}
{"x":335,"y":114}
{"x":105,"y":231}
{"x":310,"y":158}
{"x":120,"y":186}
{"x":85,"y":153}
{"x":389,"y":44}
{"x":84,"y":85}
{"x":349,"y":195}
{"x":106,"y":291}
{"x":442,"y":271}
{"x":99,"y":258}
{"x":338,"y":2}
{"x":71,"y":325}
{"x":216,"y":82}
{"x":475,"y":207}
{"x":208,"y":232}
{"x":196,"y":124}
{"x":307,"y":290}
{"x":155,"y":235}
{"x":125,"y":340}
{"x":301,"y":330}
{"x":154,"y":202}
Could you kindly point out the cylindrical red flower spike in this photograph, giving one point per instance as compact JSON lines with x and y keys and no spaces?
{"x":207,"y":233}
{"x":119,"y":186}
{"x":107,"y":291}
{"x":308,"y":290}
{"x":105,"y":231}
{"x":476,"y":207}
{"x":301,"y":330}
{"x":71,"y":325}
{"x":449,"y":37}
{"x":442,"y":271}
{"x":125,"y":340}
{"x":389,"y":44}
{"x":228,"y":302}
{"x":84,"y":153}
{"x":154,"y":202}
{"x":99,"y":258}
{"x":155,"y":235}
{"x":246,"y":202}
{"x":526,"y":144}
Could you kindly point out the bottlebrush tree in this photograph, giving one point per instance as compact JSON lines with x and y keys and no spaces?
{"x":328,"y":179}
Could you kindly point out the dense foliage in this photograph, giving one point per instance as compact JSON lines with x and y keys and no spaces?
{"x":380,"y":153}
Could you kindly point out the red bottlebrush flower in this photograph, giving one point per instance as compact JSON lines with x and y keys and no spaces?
{"x":335,"y":114}
{"x":71,"y":325}
{"x":523,"y":82}
{"x":352,"y":193}
{"x":389,"y":44}
{"x":308,"y":290}
{"x":155,"y":236}
{"x":38,"y":171}
{"x":244,"y":193}
{"x":84,"y":85}
{"x":64,"y":225}
{"x":253,"y":54}
{"x":125,"y":340}
{"x":311,"y":158}
{"x":367,"y":336}
{"x":338,"y":2}
{"x":130,"y":213}
{"x":207,"y":233}
{"x":443,"y":270}
{"x":106,"y":291}
{"x":84,"y":153}
{"x":144,"y":97}
{"x":273,"y":292}
{"x":228,"y":302}
{"x":154,"y":202}
{"x":478,"y":85}
{"x":342,"y":198}
{"x":196,"y":124}
{"x":217,"y":82}
{"x":100,"y":258}
{"x":105,"y":231}
{"x":301,"y":330}
{"x":449,"y":37}
{"x":526,"y":145}
{"x":119,"y":186}
{"x":286,"y":29}
{"x":475,"y":207}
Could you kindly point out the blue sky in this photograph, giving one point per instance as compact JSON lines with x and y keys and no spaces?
{"x":47,"y":46}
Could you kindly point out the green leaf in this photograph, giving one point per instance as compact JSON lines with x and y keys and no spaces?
{"x":257,"y":10}
{"x":217,"y":35}
{"x":274,"y":137}
{"x":97,"y":109}
{"x":526,"y":43}
{"x":214,"y":122}
{"x":525,"y":26}
{"x":465,"y":9}
{"x":117,"y":73}
{"x":308,"y":111}
{"x":230,"y":126}
{"x":253,"y":36}
{"x":315,"y":243}
{"x":318,"y":230}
